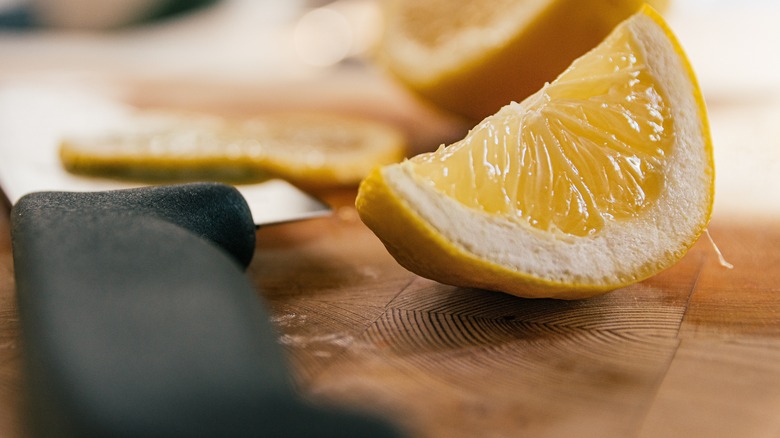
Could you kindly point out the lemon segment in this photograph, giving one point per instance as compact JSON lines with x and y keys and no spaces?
{"x":600,"y":179}
{"x":309,"y":149}
{"x":590,"y":146}
{"x":471,"y":58}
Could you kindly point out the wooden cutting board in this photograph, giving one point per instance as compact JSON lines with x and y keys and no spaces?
{"x":694,"y":351}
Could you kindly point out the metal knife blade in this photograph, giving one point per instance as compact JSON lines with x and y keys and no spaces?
{"x":34,"y":117}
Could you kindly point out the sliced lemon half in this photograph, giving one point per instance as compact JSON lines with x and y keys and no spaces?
{"x":602,"y":178}
{"x":311,"y":149}
{"x":472,"y":57}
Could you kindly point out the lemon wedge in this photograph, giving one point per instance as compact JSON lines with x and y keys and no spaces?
{"x":600,"y":179}
{"x":471,"y":57}
{"x":310,"y":149}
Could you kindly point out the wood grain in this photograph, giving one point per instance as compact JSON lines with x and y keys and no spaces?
{"x":10,"y":351}
{"x":693,"y":351}
{"x":447,"y":361}
{"x":742,"y":301}
{"x":719,"y":388}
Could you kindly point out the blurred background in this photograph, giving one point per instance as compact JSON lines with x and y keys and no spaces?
{"x":254,"y":55}
{"x":228,"y":40}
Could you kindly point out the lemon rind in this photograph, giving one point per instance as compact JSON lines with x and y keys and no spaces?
{"x":446,"y":241}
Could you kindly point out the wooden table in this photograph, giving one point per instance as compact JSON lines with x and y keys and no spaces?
{"x":693,"y":351}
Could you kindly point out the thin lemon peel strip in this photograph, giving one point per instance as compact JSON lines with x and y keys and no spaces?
{"x":721,"y":259}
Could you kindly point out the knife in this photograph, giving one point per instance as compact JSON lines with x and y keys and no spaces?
{"x":134,"y":325}
{"x":33,"y":119}
{"x":138,"y":320}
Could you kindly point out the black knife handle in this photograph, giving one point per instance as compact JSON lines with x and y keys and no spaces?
{"x":134,"y":326}
{"x":214,"y":211}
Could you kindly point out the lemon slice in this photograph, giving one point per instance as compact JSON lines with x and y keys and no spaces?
{"x":599,"y":180}
{"x":311,"y":149}
{"x":472,"y":57}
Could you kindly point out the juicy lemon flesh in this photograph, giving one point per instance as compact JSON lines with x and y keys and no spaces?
{"x":310,"y":141}
{"x":586,"y":149}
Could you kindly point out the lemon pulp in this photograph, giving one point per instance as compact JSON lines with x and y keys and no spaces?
{"x":586,"y":149}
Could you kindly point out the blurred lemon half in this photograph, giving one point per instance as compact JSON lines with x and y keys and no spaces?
{"x":471,"y":57}
{"x":600,"y":179}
